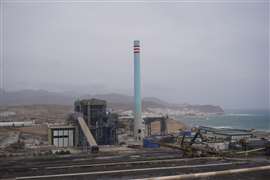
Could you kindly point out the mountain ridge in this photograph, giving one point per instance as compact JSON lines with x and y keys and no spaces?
{"x":114,"y":100}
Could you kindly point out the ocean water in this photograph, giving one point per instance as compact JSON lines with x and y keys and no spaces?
{"x":244,"y":119}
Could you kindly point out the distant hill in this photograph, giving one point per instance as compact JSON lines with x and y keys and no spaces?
{"x":115,"y":101}
{"x":30,"y":97}
{"x":125,"y":102}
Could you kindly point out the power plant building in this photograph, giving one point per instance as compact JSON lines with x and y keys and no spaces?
{"x":89,"y":126}
{"x":101,"y":123}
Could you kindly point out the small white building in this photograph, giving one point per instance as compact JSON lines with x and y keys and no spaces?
{"x":62,"y":135}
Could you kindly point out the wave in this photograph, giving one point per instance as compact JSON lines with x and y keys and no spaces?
{"x":241,"y":114}
{"x":222,"y":127}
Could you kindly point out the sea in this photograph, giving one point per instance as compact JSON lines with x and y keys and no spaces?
{"x":241,"y":119}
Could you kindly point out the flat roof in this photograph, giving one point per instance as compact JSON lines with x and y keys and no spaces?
{"x":57,"y":126}
{"x":92,"y":101}
{"x":227,"y":131}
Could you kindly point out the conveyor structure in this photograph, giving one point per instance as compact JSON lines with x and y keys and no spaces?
{"x":88,"y":135}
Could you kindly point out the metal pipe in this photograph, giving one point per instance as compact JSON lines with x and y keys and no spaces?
{"x":249,"y":151}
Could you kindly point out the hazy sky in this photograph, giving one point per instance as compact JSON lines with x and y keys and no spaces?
{"x":200,"y":53}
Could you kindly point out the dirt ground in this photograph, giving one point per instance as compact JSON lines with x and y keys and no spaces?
{"x":39,"y":130}
{"x":40,"y":113}
{"x":35,"y":135}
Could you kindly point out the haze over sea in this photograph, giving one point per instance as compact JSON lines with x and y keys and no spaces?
{"x":245,"y":119}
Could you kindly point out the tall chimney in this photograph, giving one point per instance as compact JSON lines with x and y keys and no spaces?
{"x":138,"y":121}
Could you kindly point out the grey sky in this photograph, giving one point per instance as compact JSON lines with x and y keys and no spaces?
{"x":202,"y":53}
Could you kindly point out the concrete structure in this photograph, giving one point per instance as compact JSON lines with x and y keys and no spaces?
{"x":162,"y":121}
{"x":62,"y":135}
{"x":139,"y":129}
{"x":127,"y":120}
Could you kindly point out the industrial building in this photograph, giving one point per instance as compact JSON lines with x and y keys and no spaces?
{"x":62,"y":135}
{"x":101,"y":123}
{"x":89,"y":126}
{"x":225,"y":133}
